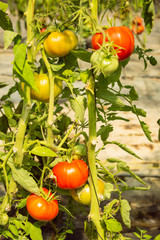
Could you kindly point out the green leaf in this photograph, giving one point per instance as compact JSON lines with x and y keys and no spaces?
{"x":23,"y":178}
{"x":85,"y":75}
{"x":122,"y":166}
{"x":104,"y":131}
{"x":146,"y":130}
{"x":113,"y":225}
{"x":8,"y":111}
{"x":148,"y":13}
{"x":43,"y":152}
{"x":13,"y":229}
{"x":64,"y":209}
{"x":133,"y":94}
{"x":157,"y":237}
{"x":20,"y":55}
{"x":82,"y":54}
{"x":8,"y":38}
{"x":3,"y":6}
{"x":79,"y":106}
{"x":57,"y":67}
{"x":125,"y":212}
{"x":109,"y":97}
{"x":8,"y":234}
{"x":108,"y":190}
{"x":33,"y":230}
{"x":4,"y":136}
{"x":5,"y":22}
{"x":125,"y":148}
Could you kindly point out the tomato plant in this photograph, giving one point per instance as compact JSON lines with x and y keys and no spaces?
{"x":122,"y":38}
{"x":37,"y":140}
{"x":70,"y":175}
{"x":41,"y":209}
{"x":83,"y":194}
{"x":59,"y":44}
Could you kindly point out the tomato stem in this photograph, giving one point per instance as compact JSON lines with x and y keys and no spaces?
{"x":51,"y":99}
{"x":27,"y":101}
{"x":94,"y":214}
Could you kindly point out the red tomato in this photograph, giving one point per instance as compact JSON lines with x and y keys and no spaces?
{"x":71,"y":175}
{"x":122,"y":37}
{"x":40,"y":209}
{"x":137,"y":20}
{"x":137,"y":29}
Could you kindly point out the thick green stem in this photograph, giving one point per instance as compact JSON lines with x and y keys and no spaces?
{"x":51,"y":100}
{"x":94,"y":207}
{"x":18,"y":148}
{"x":94,"y":10}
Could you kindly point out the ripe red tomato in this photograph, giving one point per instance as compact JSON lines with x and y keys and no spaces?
{"x":40,"y":209}
{"x":59,"y":44}
{"x":71,"y":175}
{"x":122,"y":37}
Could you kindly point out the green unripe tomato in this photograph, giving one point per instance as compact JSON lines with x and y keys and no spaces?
{"x":83,"y":194}
{"x":79,"y":150}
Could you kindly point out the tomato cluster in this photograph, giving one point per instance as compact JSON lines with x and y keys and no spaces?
{"x":41,"y":209}
{"x":59,"y":44}
{"x":137,"y":25}
{"x":122,"y":38}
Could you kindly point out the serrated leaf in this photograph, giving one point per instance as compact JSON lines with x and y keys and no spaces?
{"x":113,"y":225}
{"x":122,"y":166}
{"x":125,"y":148}
{"x":43,"y":152}
{"x":23,"y":178}
{"x":146,"y":130}
{"x":127,"y":188}
{"x":104,"y":131}
{"x":79,"y":106}
{"x":8,"y":38}
{"x":125,"y":212}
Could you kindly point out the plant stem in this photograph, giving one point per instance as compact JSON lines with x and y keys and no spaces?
{"x":94,"y":214}
{"x":18,"y":148}
{"x":51,"y":100}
